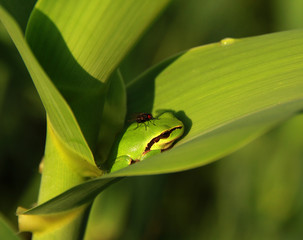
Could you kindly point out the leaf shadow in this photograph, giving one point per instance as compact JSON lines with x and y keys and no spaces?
{"x":141,"y":94}
{"x":83,"y":92}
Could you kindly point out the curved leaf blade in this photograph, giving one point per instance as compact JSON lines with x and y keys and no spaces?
{"x":214,"y":86}
{"x":59,"y":112}
{"x":19,"y":10}
{"x":73,"y":198}
{"x":99,"y":32}
{"x":260,"y":94}
{"x":81,"y":46}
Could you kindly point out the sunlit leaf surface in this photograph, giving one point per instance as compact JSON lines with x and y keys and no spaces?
{"x":226,"y":94}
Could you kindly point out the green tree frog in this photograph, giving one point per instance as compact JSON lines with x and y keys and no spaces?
{"x":144,"y":139}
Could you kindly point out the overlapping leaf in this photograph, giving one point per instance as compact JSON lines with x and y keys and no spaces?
{"x":99,"y":33}
{"x":80,"y":46}
{"x":75,"y":52}
{"x":226,"y":93}
{"x":56,"y":107}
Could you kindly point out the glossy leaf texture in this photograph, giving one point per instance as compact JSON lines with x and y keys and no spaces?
{"x":226,"y":93}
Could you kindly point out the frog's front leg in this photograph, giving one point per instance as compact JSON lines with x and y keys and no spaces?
{"x":121,"y":162}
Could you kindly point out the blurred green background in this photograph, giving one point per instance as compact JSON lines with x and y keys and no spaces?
{"x":255,"y":193}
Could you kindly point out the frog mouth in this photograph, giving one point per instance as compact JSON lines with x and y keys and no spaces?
{"x":163,"y":135}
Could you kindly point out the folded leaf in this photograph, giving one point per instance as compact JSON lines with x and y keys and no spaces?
{"x":226,"y":94}
{"x":98,"y":33}
{"x":59,"y":113}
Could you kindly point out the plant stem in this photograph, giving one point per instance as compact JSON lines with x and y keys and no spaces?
{"x":57,"y":177}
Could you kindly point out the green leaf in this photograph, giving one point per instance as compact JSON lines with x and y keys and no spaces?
{"x":81,"y":46}
{"x":19,"y":9}
{"x":73,"y":198}
{"x":98,"y":33}
{"x":70,"y":59}
{"x":226,"y":94}
{"x":113,"y":116}
{"x":66,"y":128}
{"x":6,"y":231}
{"x":73,"y":55}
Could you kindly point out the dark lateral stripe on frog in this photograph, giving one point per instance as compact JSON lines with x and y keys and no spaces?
{"x":165,"y":134}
